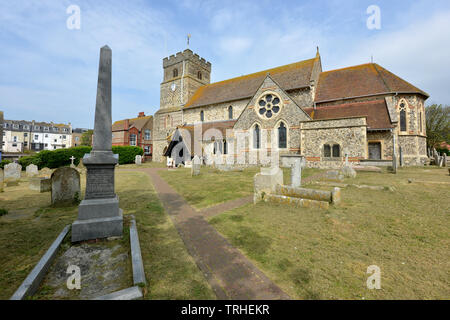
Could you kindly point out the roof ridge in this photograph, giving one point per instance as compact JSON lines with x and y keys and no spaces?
{"x":407,"y":82}
{"x":261,"y":72}
{"x":345,"y":68}
{"x":382,"y":78}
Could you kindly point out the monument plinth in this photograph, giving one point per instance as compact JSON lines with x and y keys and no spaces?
{"x":99,"y":215}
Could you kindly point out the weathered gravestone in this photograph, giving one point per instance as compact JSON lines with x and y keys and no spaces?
{"x":32,"y":170}
{"x":266,"y":182}
{"x":45,"y":173}
{"x":296,"y":173}
{"x":99,"y":215}
{"x":444,"y":161}
{"x":40,"y":184}
{"x":196,"y":164}
{"x":333,"y":175}
{"x":12,"y":173}
{"x":188,"y":164}
{"x":1,"y":180}
{"x":138,"y":160}
{"x":65,"y":186}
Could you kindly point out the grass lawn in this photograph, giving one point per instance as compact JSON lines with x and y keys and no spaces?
{"x":31,"y":225}
{"x":316,"y":254}
{"x":212,"y":186}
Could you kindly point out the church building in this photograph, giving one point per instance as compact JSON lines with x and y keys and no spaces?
{"x":363,"y":112}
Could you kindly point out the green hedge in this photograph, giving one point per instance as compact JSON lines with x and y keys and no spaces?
{"x":61,"y":157}
{"x":3,"y":163}
{"x":440,"y":150}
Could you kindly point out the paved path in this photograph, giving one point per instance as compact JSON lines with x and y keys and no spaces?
{"x":230,"y":274}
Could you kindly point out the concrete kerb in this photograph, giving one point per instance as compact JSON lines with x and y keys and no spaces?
{"x":132,"y":293}
{"x":136,"y":256}
{"x":34,"y":279}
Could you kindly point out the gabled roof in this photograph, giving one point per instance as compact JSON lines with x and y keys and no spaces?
{"x":375,"y":110}
{"x":137,"y":123}
{"x":362,"y":80}
{"x":291,"y":76}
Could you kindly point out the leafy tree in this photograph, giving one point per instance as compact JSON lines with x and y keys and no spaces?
{"x":86,"y":138}
{"x":438,"y":124}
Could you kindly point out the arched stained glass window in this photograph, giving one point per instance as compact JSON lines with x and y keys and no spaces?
{"x":202,"y":116}
{"x":230,"y":112}
{"x":256,"y":137}
{"x":282,"y":136}
{"x":175,"y":72}
{"x":402,"y":117}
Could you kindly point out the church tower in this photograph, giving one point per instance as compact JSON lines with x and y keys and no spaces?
{"x":184,"y":73}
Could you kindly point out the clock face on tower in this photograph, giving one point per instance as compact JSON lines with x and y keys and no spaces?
{"x":173,"y":93}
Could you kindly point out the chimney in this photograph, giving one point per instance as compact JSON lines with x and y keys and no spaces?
{"x":141,"y":114}
{"x":127,"y":124}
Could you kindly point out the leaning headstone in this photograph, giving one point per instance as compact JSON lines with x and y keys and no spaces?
{"x":65,"y":186}
{"x":12,"y":173}
{"x":444,"y":161}
{"x":138,"y":160}
{"x":437,"y":159}
{"x":40,"y":184}
{"x":99,"y":215}
{"x":1,"y":180}
{"x":32,"y":170}
{"x":296,"y":173}
{"x":196,"y":163}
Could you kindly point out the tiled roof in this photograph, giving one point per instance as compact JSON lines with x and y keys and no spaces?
{"x":291,"y":76}
{"x":138,"y":123}
{"x":375,"y":110}
{"x":363,"y":80}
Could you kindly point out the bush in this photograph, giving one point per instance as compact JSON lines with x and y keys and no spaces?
{"x":439,"y":150}
{"x":61,"y":157}
{"x":3,"y":163}
{"x":127,"y":154}
{"x":26,"y":161}
{"x":3,"y":212}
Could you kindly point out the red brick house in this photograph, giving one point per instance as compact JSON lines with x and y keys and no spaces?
{"x":134,"y":132}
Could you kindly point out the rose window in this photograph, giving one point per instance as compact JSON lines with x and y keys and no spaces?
{"x":269,"y":105}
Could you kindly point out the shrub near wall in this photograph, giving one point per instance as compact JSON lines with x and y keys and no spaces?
{"x":127,"y":154}
{"x":61,"y":157}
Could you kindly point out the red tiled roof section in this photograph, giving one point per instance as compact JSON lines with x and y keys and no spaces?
{"x":291,"y":76}
{"x":363,"y":80}
{"x":376,"y":112}
{"x":138,"y":123}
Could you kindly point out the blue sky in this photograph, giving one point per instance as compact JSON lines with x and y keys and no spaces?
{"x":49,"y":73}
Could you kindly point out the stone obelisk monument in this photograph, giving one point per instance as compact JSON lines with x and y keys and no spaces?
{"x":99,"y":215}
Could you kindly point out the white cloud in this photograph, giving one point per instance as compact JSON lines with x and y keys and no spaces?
{"x":419,"y":53}
{"x":234,"y":45}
